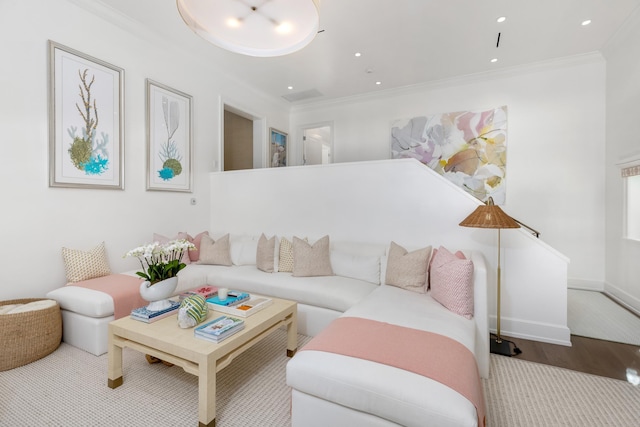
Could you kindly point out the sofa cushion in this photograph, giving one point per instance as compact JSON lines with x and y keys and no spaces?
{"x":407,"y":270}
{"x":285,"y":260}
{"x":243,"y":249}
{"x":330,"y":292}
{"x":452,"y":282}
{"x":215,"y":252}
{"x":266,"y":254}
{"x":311,"y":260}
{"x":194,"y":255}
{"x":362,"y":267}
{"x":83,"y":265}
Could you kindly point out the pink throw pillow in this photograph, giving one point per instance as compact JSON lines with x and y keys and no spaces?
{"x":452,"y":282}
{"x":197,"y":241}
{"x":163,"y":239}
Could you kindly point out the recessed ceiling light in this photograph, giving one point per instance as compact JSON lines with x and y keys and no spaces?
{"x":290,"y":87}
{"x":586,"y":22}
{"x":502,"y":19}
{"x":358,"y":54}
{"x":378,"y":83}
{"x":494,"y":60}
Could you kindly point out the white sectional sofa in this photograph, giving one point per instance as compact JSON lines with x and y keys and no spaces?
{"x":319,"y":381}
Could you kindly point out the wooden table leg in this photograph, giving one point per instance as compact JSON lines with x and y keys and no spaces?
{"x":114,"y":363}
{"x":292,"y":334}
{"x":207,"y":393}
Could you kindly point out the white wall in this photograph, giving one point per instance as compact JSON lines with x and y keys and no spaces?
{"x":623,"y":139}
{"x":37,"y":221}
{"x":555,"y":167}
{"x":403,"y":201}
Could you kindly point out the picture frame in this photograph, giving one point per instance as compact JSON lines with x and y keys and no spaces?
{"x":278,"y":148}
{"x":169,"y":138}
{"x":86,"y":130}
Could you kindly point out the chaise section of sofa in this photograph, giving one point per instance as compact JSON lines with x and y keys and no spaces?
{"x":330,"y":388}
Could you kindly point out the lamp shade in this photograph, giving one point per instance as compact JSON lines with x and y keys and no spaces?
{"x":255,"y":28}
{"x":489,"y":216}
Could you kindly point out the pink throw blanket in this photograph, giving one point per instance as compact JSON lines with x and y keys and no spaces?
{"x":425,"y":353}
{"x":124,"y":289}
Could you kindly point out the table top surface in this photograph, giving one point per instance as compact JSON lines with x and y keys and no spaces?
{"x":167,"y":336}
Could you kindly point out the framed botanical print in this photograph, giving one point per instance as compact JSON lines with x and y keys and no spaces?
{"x":278,"y":148}
{"x":85,"y":121}
{"x":169,"y":138}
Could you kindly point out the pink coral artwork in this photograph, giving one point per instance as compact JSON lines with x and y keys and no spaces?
{"x":469,"y":148}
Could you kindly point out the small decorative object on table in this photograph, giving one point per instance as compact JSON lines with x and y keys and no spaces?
{"x":193,"y":310}
{"x":233,"y":298}
{"x":160,"y":262}
{"x":247,"y":307}
{"x":204,"y":291}
{"x":219,"y":328}
{"x":143,"y":314}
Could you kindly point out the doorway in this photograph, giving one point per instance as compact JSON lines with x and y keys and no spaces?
{"x":317,"y":144}
{"x":243,"y":139}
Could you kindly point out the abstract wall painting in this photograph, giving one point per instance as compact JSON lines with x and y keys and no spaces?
{"x":169,"y":138}
{"x":469,"y":148}
{"x":85,"y":121}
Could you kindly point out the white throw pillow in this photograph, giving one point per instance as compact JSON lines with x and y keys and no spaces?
{"x":243,"y":250}
{"x":360,"y":267}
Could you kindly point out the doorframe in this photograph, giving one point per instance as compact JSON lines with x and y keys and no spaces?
{"x":259,"y":133}
{"x":300,"y":138}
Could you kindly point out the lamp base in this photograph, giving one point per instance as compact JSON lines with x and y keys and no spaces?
{"x":503,"y":347}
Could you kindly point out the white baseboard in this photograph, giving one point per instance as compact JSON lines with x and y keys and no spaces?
{"x":533,"y":331}
{"x":623,"y":298}
{"x":586,"y":285}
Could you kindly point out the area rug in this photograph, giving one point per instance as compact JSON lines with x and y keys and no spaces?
{"x":69,"y":388}
{"x":593,"y":315}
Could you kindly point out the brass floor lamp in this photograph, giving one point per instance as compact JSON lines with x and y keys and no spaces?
{"x":491,"y":216}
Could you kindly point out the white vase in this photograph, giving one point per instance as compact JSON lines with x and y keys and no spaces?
{"x":158,"y":293}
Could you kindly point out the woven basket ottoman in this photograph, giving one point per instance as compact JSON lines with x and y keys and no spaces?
{"x":30,"y":335}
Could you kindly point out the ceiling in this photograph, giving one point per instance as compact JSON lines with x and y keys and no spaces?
{"x":402,"y":42}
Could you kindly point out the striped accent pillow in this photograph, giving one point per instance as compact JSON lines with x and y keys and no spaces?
{"x":452,"y":282}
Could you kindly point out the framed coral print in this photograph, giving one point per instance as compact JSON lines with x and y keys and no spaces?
{"x":278,"y":148}
{"x":169,"y":134}
{"x":85,"y":121}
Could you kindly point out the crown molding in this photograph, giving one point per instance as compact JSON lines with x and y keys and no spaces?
{"x":519,"y":70}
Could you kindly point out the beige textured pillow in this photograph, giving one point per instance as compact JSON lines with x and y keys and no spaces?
{"x":215,"y":252}
{"x":265,"y":255}
{"x":408,"y":270}
{"x":85,"y":265}
{"x":285,"y":263}
{"x":311,"y":260}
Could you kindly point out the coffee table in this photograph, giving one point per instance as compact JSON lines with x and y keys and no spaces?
{"x":166,"y":341}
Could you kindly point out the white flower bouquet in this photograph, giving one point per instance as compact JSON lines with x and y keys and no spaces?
{"x":161,"y":261}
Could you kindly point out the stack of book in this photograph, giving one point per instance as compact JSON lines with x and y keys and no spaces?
{"x":233,"y":298}
{"x":148,"y":316}
{"x":219,"y":328}
{"x":246,"y":308}
{"x":204,"y":291}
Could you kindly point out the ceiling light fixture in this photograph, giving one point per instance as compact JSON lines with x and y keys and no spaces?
{"x":270,"y":28}
{"x":358,"y":54}
{"x":378,"y":83}
{"x":290,"y":87}
{"x":502,"y":19}
{"x":586,"y":22}
{"x":494,"y":60}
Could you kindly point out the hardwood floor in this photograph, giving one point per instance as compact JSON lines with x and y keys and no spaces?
{"x":593,"y":356}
